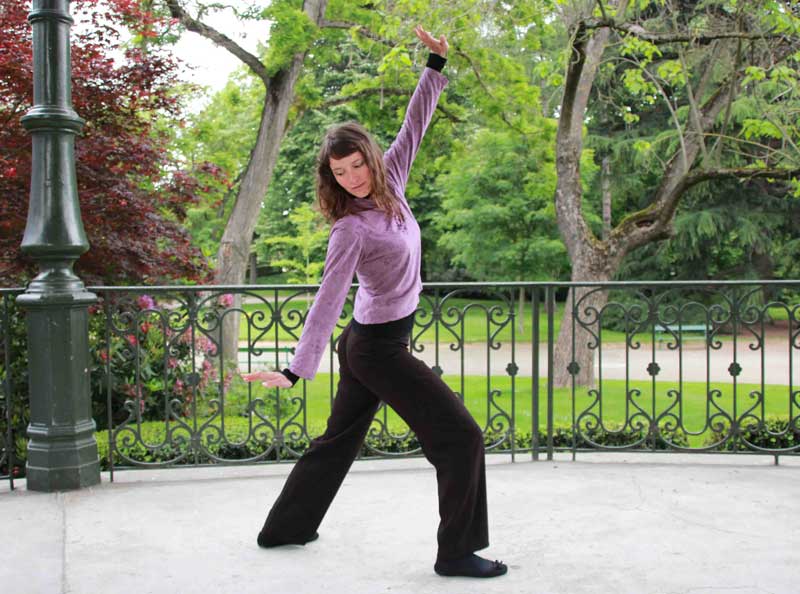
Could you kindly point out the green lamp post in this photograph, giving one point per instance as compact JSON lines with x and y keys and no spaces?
{"x":62,"y":451}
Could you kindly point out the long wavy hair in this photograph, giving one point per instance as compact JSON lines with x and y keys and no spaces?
{"x":334,"y":201}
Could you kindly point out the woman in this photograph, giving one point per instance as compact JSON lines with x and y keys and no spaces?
{"x":375,"y":235}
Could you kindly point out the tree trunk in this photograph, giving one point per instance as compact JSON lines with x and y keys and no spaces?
{"x":606,"y":185}
{"x":234,"y":249}
{"x":589,"y":260}
{"x":587,"y":303}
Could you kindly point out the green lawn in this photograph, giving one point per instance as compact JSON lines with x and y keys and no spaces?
{"x":614,"y":407}
{"x":473,"y":320}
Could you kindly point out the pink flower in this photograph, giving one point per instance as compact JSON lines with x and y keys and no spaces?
{"x":207,"y":346}
{"x":132,"y":340}
{"x":145,"y":302}
{"x":226,"y":300}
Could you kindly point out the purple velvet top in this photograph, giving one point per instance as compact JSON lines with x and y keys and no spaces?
{"x":385,"y":255}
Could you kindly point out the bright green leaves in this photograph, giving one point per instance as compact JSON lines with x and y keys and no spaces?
{"x":396,"y":59}
{"x":784,"y":74}
{"x":754,"y":74}
{"x":300,"y":255}
{"x":760,"y":129}
{"x":777,"y":16}
{"x":550,"y":72}
{"x":645,"y":50}
{"x":292,"y":32}
{"x":672,"y":72}
{"x":769,"y":112}
{"x":635,"y":81}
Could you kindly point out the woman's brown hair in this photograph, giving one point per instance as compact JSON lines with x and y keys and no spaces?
{"x":334,"y":201}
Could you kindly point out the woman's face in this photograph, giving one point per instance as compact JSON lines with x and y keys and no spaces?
{"x":353,"y":174}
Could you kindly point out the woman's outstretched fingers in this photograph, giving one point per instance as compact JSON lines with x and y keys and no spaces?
{"x":437,"y":46}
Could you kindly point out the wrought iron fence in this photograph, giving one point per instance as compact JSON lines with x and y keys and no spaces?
{"x":688,"y":367}
{"x":10,"y":408}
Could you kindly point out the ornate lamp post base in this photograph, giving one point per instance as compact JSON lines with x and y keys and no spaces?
{"x":62,"y":452}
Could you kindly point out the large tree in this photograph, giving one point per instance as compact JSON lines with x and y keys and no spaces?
{"x":133,"y":196}
{"x":704,"y":64}
{"x":292,"y":32}
{"x":498,"y":221}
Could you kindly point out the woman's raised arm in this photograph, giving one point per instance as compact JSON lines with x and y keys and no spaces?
{"x":400,"y":156}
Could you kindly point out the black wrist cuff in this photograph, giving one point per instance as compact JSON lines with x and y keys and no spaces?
{"x":436,"y":62}
{"x":290,"y":376}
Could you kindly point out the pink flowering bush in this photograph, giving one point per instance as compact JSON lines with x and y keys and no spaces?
{"x":151,"y":361}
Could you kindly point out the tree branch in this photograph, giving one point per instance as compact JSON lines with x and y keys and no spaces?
{"x":654,"y":222}
{"x":742,"y":173}
{"x":192,"y":24}
{"x":659,"y":38}
{"x":717,"y":148}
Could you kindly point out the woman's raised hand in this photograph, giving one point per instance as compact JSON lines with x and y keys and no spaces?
{"x":437,"y":46}
{"x":271,"y":379}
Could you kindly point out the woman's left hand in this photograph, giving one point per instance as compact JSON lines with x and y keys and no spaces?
{"x":437,"y":46}
{"x":270,"y":379}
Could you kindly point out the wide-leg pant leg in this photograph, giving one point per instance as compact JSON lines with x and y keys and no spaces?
{"x":450,"y":438}
{"x":318,"y":474}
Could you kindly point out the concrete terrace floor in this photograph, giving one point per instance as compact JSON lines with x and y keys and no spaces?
{"x":606,"y":523}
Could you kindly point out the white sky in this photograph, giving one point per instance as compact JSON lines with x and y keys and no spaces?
{"x":211,"y":65}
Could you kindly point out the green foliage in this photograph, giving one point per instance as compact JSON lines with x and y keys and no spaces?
{"x":771,"y":434}
{"x":15,"y":378}
{"x":725,"y":232}
{"x":302,"y":253}
{"x":724,"y":228}
{"x":498,"y":219}
{"x":490,"y":84}
{"x":222,"y":133}
{"x":506,"y":67}
{"x":145,"y":368}
{"x":292,"y":32}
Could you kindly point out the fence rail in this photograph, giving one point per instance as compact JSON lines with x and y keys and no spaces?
{"x":659,"y":367}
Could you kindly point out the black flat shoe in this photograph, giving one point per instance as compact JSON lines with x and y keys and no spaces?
{"x":269,"y":543}
{"x":470,"y":566}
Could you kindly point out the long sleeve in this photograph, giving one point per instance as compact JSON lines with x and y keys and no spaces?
{"x":344,"y":251}
{"x":400,"y":156}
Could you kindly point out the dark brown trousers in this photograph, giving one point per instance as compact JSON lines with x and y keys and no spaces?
{"x":374,"y":369}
